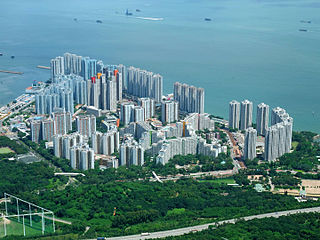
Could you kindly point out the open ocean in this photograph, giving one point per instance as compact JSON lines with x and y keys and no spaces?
{"x":252,"y":49}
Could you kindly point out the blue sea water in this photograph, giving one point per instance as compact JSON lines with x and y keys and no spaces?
{"x":251,"y":49}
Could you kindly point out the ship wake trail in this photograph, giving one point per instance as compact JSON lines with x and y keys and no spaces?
{"x":150,"y":18}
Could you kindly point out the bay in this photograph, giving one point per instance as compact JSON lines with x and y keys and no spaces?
{"x":252,"y":49}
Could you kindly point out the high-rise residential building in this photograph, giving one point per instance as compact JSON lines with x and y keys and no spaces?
{"x":131,"y":153}
{"x":111,"y":95}
{"x":250,"y":143}
{"x":148,"y":106}
{"x":62,"y":122}
{"x":234,"y":114}
{"x":157,"y":81}
{"x":190,"y":98}
{"x":88,"y":68}
{"x":36,"y":131}
{"x":86,"y":125}
{"x":102,"y":92}
{"x":279,"y":136}
{"x":47,"y":129}
{"x":246,"y":115}
{"x":169,"y":111}
{"x":40,"y":100}
{"x":278,"y":115}
{"x":106,"y":143}
{"x":57,"y":66}
{"x":138,"y":114}
{"x":80,"y":93}
{"x":46,"y":102}
{"x":94,"y":87}
{"x":82,"y":157}
{"x":262,"y":118}
{"x":62,"y":144}
{"x":72,"y":63}
{"x":92,"y":67}
{"x":178,"y":146}
{"x":62,"y":93}
{"x":118,"y":80}
{"x":96,"y":139}
{"x":58,"y":145}
{"x":271,"y":143}
{"x":126,"y":113}
{"x":123,"y":70}
{"x":66,"y":101}
{"x":142,"y":83}
{"x":199,"y":121}
{"x":100,"y":66}
{"x":85,"y":68}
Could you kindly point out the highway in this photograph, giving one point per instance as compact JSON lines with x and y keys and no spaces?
{"x":182,"y":231}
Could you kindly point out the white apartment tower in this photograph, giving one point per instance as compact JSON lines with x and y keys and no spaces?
{"x":234,"y":114}
{"x":246,"y":115}
{"x":250,"y":143}
{"x":169,"y":111}
{"x":262,"y":118}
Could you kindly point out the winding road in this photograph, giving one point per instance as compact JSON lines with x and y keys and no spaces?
{"x":181,"y":231}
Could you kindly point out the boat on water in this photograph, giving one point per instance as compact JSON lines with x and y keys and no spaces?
{"x":303,"y":30}
{"x":305,"y":21}
{"x":12,"y":57}
{"x":1,"y":54}
{"x":75,"y":19}
{"x":207,"y":19}
{"x":138,"y":10}
{"x":99,"y":21}
{"x":128,"y":13}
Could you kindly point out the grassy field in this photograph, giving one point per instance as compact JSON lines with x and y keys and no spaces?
{"x":220,"y":180}
{"x":5,"y":150}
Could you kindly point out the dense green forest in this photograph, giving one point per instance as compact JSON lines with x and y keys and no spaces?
{"x":299,"y":226}
{"x":304,"y":155}
{"x":285,"y":180}
{"x":140,"y":205}
{"x":17,"y":177}
{"x":152,"y":206}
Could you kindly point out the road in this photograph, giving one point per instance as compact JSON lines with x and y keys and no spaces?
{"x":181,"y":231}
{"x":220,"y":173}
{"x":233,"y":151}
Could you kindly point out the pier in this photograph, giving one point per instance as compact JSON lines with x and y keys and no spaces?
{"x":12,"y":72}
{"x":43,"y":67}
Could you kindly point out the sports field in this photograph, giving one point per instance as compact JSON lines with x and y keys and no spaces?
{"x":16,"y":228}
